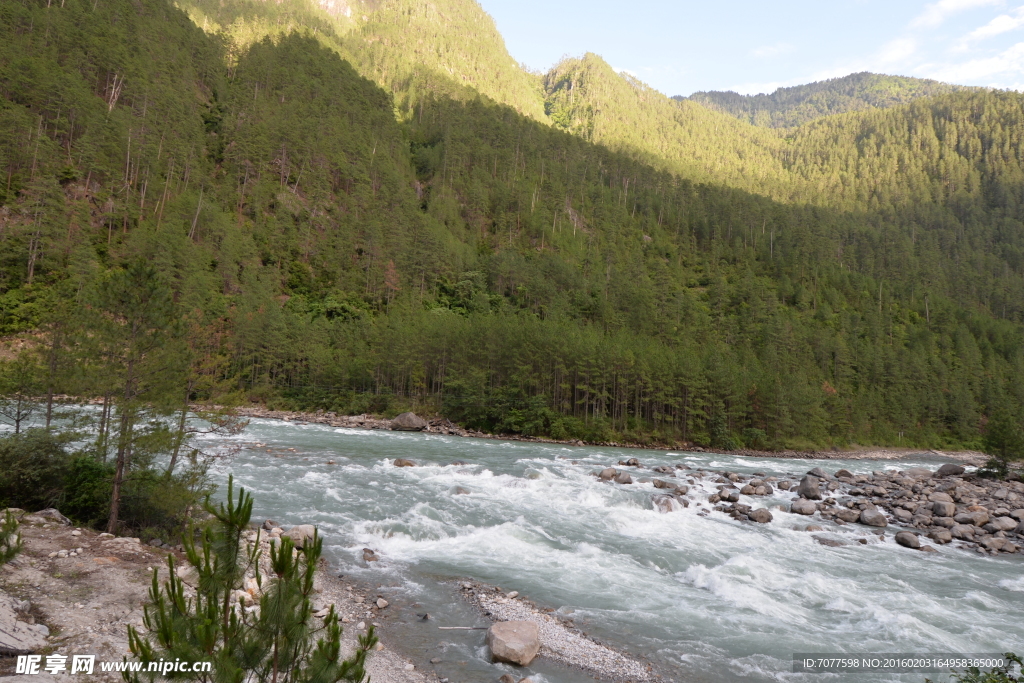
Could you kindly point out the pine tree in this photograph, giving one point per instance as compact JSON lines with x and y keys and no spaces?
{"x":275,"y":641}
{"x":10,"y":539}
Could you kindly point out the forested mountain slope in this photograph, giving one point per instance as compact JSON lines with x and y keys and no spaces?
{"x":506,"y":272}
{"x":412,"y":49}
{"x":797,"y":105}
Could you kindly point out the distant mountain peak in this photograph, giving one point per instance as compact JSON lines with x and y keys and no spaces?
{"x":796,"y":105}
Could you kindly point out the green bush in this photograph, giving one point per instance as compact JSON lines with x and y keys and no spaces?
{"x":87,"y":487}
{"x":1000,"y":674}
{"x":34,"y":465}
{"x":10,"y":539}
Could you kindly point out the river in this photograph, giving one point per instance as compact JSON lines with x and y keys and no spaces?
{"x":703,"y":598}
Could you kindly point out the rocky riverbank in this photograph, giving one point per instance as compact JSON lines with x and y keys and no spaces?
{"x":440,"y":425}
{"x":947,"y":506}
{"x":76,"y":591}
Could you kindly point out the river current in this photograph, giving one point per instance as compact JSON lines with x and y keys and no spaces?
{"x":702,"y":597}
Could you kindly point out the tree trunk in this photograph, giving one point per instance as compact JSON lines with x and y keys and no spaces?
{"x":123,"y":453}
{"x":180,"y":438}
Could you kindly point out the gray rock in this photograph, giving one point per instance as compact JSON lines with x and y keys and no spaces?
{"x":1018,"y":515}
{"x":808,"y":488}
{"x":918,"y":473}
{"x":515,"y":642}
{"x":761,"y":516}
{"x":53,"y":515}
{"x":963,"y":531}
{"x":943,"y":509}
{"x":828,"y":541}
{"x":459,"y":491}
{"x":632,"y":462}
{"x":270,"y":524}
{"x":607,"y":474}
{"x":408,"y":422}
{"x":940,"y":535}
{"x":402,"y":462}
{"x":908,"y":540}
{"x":940,"y":497}
{"x":507,"y":678}
{"x":622,"y":478}
{"x":17,"y":637}
{"x":848,"y":515}
{"x":783,"y":485}
{"x":730,"y":495}
{"x":802,"y":506}
{"x":369,"y":555}
{"x":947,"y":522}
{"x":663,"y":503}
{"x":1002,"y":524}
{"x":156,"y":543}
{"x":661,"y":484}
{"x":844,"y":473}
{"x":902,"y":516}
{"x":818,"y":473}
{"x":873,"y":518}
{"x":977,"y":518}
{"x":300,"y":534}
{"x":382,"y":603}
{"x":748,"y":490}
{"x":949,"y":470}
{"x":682,"y":490}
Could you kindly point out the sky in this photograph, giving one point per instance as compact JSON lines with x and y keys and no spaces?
{"x":687,"y":46}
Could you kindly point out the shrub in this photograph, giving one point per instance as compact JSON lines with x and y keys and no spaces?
{"x":10,"y":539}
{"x":34,"y":465}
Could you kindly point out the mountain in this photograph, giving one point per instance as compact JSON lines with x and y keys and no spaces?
{"x":622,"y":267}
{"x":797,"y":105}
{"x":411,"y":49}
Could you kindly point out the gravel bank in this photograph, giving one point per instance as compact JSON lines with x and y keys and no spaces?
{"x":559,"y":642}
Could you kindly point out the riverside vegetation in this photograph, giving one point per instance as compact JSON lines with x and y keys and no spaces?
{"x":375,"y":210}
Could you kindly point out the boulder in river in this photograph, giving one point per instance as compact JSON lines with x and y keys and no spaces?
{"x":1001,"y":524}
{"x":818,"y":472}
{"x":908,"y":540}
{"x":369,"y":555}
{"x":873,"y":518}
{"x":662,"y":484}
{"x":976,"y":517}
{"x":607,"y":474}
{"x":300,"y":534}
{"x":918,"y":473}
{"x":949,"y":470}
{"x":940,"y":535}
{"x":270,"y":524}
{"x":760,"y":515}
{"x":802,"y":506}
{"x":409,"y":422}
{"x":622,"y":478}
{"x":809,"y":488}
{"x":848,"y":515}
{"x":402,"y":462}
{"x":632,"y":462}
{"x":844,"y":473}
{"x":664,"y":503}
{"x":515,"y":642}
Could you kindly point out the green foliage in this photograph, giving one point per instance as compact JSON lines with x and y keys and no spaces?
{"x":797,"y":105}
{"x":10,"y":539}
{"x":35,"y":465}
{"x":277,"y":641}
{"x":86,"y":495}
{"x":1001,"y":674}
{"x":641,"y":269}
{"x":20,"y":381}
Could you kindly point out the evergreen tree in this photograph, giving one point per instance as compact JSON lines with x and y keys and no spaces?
{"x":276,"y":641}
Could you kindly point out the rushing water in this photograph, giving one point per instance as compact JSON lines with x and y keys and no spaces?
{"x":705,"y":598}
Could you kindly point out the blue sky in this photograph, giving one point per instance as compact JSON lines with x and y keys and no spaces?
{"x":685,"y":46}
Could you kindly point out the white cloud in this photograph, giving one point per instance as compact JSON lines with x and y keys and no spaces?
{"x":1004,"y":23}
{"x":938,"y":12}
{"x":767,"y":51}
{"x":1009,"y":64}
{"x":762,"y":88}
